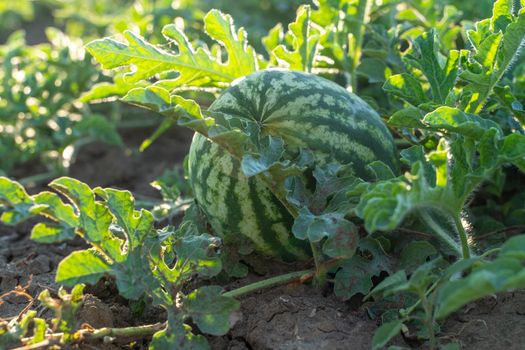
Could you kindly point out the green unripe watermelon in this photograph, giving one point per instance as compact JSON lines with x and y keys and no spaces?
{"x":306,"y":111}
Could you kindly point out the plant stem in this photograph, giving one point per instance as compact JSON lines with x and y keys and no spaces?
{"x":270,"y":282}
{"x":490,"y":252}
{"x":440,"y":233}
{"x":320,"y":272}
{"x":302,"y":276}
{"x":428,"y":320}
{"x":462,"y":237}
{"x":138,"y":331}
{"x":416,"y":304}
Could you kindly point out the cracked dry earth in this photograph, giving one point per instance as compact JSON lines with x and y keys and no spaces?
{"x":284,"y":318}
{"x":297,"y":317}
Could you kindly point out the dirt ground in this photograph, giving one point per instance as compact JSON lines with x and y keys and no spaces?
{"x":287,"y":317}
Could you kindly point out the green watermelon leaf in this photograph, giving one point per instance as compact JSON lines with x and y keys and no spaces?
{"x":195,"y":67}
{"x":426,"y":57}
{"x":126,"y":246}
{"x":385,"y":333}
{"x":305,"y":40}
{"x":454,"y":120}
{"x":415,"y":254}
{"x":83,"y":266}
{"x":476,"y":145}
{"x":14,"y":331}
{"x":355,"y":274}
{"x":497,"y":44}
{"x":406,"y":87}
{"x":49,"y":233}
{"x":209,"y":309}
{"x":321,"y":214}
{"x":272,"y":153}
{"x":15,"y":203}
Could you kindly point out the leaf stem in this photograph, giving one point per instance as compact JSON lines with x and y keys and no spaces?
{"x":320,"y":272}
{"x":270,"y":282}
{"x":416,"y":304}
{"x":138,"y":331}
{"x":462,"y":237}
{"x":301,"y":276}
{"x":428,"y":320}
{"x":440,"y":233}
{"x":490,"y":252}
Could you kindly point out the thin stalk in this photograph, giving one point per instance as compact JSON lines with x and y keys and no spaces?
{"x":490,"y":252}
{"x":462,"y":237}
{"x":138,"y":331}
{"x":302,"y":276}
{"x":440,"y":233}
{"x":270,"y":282}
{"x":320,"y":272}
{"x":503,"y":230}
{"x":416,"y":304}
{"x":429,"y":320}
{"x":126,"y":332}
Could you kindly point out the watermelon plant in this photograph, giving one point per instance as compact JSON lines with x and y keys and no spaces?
{"x":366,"y":141}
{"x":40,"y":115}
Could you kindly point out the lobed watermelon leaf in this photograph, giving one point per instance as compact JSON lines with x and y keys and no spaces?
{"x":305,"y":43}
{"x":497,"y":44}
{"x":322,"y":213}
{"x":194,"y":67}
{"x":355,"y":274}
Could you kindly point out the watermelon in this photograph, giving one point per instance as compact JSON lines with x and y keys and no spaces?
{"x":306,"y":111}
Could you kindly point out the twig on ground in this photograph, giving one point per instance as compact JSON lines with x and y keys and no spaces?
{"x":19,"y":290}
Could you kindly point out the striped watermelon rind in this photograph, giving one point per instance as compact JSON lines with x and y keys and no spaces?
{"x":306,"y":111}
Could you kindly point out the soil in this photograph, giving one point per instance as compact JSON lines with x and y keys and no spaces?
{"x":286,"y":317}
